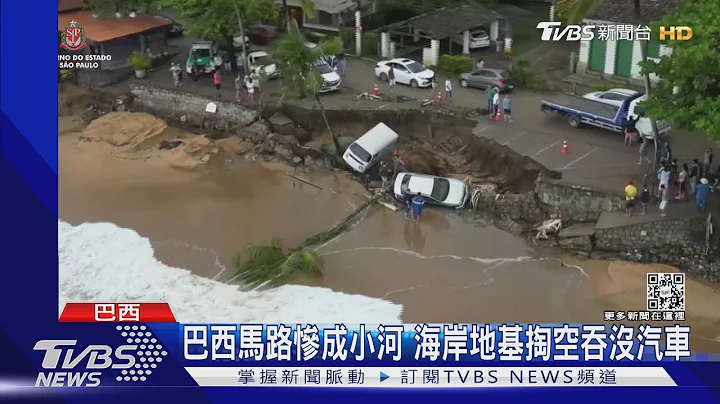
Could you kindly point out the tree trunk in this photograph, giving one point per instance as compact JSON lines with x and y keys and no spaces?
{"x":242,"y":38}
{"x":338,"y":152}
{"x":646,"y":76}
{"x":284,"y":16}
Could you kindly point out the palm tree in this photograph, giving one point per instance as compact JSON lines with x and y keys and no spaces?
{"x":297,"y":61}
{"x":261,"y":264}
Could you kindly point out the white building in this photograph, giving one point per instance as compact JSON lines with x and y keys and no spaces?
{"x":620,"y":59}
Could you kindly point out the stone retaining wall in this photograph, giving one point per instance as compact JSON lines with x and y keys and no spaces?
{"x":187,"y":108}
{"x":682,"y":236}
{"x":576,"y":203}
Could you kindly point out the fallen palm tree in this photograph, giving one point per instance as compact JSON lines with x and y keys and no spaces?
{"x":271,"y":264}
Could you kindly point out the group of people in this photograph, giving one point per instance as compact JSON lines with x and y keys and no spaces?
{"x":249,"y":84}
{"x":698,"y":175}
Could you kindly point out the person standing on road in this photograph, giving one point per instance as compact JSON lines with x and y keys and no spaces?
{"x":664,"y":177}
{"x":418,"y":204}
{"x":238,"y":87}
{"x":391,"y":78}
{"x":644,"y":198}
{"x":694,"y":175}
{"x":489,"y":93}
{"x":480,"y":64}
{"x":663,"y":200}
{"x":496,"y":102}
{"x":448,"y":89}
{"x":707,"y":162}
{"x":682,"y":181}
{"x":701,"y":195}
{"x":507,"y":110}
{"x":176,"y":70}
{"x":433,"y":85}
{"x":630,"y":130}
{"x":630,"y":195}
{"x":216,"y":81}
{"x":342,"y":66}
{"x":250,"y":88}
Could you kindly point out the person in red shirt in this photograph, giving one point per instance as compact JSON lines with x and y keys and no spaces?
{"x":216,"y":81}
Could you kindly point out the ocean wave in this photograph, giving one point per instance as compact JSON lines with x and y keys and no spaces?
{"x":103,"y":262}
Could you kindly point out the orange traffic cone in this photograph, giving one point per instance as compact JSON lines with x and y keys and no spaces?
{"x":376,"y":90}
{"x":564,"y":149}
{"x":498,"y":117}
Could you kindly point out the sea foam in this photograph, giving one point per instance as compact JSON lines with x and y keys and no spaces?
{"x":103,"y":262}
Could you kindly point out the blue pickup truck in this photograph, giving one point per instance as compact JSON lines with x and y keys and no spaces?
{"x":582,"y":111}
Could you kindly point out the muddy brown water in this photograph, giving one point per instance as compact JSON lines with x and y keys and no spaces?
{"x":443,"y":269}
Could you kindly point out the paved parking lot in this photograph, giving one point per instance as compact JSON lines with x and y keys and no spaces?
{"x":595,"y":158}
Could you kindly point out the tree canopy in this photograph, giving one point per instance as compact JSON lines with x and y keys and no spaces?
{"x":688,"y":94}
{"x":216,"y":19}
{"x":297,"y":60}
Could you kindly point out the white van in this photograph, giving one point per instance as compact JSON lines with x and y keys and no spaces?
{"x":370,"y":148}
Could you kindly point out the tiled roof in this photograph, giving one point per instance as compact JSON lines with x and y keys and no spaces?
{"x":623,"y":11}
{"x":101,"y":30}
{"x":67,"y":5}
{"x":447,"y":22}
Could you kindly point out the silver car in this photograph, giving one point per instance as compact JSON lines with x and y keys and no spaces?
{"x":484,"y":78}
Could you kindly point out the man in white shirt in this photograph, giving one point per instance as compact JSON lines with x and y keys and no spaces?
{"x":496,"y":103}
{"x":448,"y":89}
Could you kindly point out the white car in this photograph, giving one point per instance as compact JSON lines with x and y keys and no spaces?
{"x":260,"y":61}
{"x":448,"y":192}
{"x":615,"y":96}
{"x":407,"y":71}
{"x":331,"y":80}
{"x":478,"y":39}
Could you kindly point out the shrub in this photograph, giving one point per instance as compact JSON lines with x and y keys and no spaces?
{"x":370,"y":43}
{"x":138,"y":61}
{"x":456,"y":64}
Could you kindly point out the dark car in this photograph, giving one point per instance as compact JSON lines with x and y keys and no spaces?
{"x":484,"y":78}
{"x":176,"y":29}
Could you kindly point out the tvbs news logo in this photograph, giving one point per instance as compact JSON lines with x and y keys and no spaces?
{"x":67,"y":364}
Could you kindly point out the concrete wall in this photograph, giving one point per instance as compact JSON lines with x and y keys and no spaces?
{"x":662,"y":238}
{"x":576,"y":203}
{"x":190,"y":108}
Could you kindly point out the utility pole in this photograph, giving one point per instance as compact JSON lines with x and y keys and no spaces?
{"x":242,"y":36}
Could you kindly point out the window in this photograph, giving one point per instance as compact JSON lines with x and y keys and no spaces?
{"x":404,"y":184}
{"x":613,"y":96}
{"x":487,"y":73}
{"x":360,"y":153}
{"x":325,"y":18}
{"x":415,"y":67}
{"x":441,"y":189}
{"x":323,"y":68}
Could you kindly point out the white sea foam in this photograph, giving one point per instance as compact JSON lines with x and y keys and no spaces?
{"x":103,"y":262}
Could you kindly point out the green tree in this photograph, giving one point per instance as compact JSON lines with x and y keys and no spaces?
{"x":269,"y":263}
{"x":689,"y":93}
{"x":217,"y":19}
{"x":297,"y":62}
{"x":574,"y":11}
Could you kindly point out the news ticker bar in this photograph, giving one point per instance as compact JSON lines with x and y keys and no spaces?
{"x":431,"y":377}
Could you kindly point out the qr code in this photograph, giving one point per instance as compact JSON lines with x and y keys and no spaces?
{"x":665,"y":292}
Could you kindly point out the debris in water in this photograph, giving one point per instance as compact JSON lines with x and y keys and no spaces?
{"x":169,"y":144}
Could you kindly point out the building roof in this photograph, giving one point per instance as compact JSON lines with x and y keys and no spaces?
{"x":105,"y":29}
{"x":328,"y":6}
{"x":622,"y":11}
{"x":447,"y":22}
{"x":67,"y":5}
